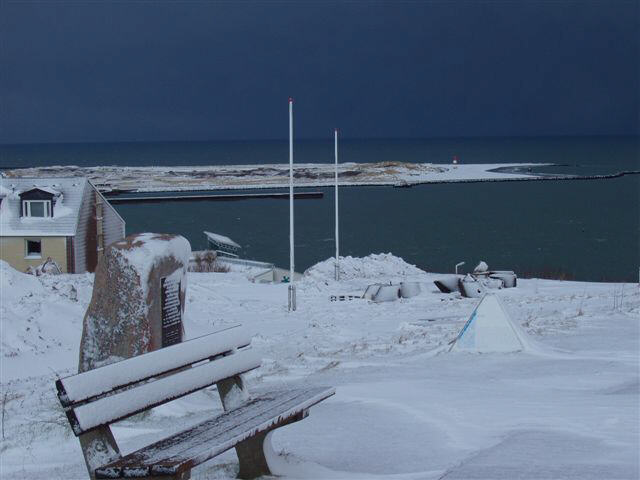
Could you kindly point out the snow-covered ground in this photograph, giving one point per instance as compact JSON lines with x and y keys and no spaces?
{"x":404,"y":409}
{"x":220,"y":177}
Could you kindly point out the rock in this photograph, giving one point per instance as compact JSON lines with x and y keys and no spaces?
{"x":134,"y":279}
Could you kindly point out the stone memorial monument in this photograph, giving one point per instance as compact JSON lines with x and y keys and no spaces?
{"x":138,"y":299}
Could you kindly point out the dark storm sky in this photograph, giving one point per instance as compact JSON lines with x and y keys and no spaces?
{"x":88,"y":71}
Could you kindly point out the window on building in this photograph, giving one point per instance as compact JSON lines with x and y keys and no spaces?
{"x":33,"y":248}
{"x":36,"y":208}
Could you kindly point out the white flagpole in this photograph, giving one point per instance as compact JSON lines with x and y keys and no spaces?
{"x":337,"y":267}
{"x":292,"y":289}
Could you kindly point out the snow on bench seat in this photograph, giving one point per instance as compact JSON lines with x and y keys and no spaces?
{"x":96,"y":382}
{"x":109,"y":409}
{"x":193,"y":446}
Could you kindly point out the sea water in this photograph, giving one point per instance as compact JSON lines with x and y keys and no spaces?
{"x":580,"y":229}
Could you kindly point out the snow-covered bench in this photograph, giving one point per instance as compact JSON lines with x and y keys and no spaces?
{"x":97,"y":398}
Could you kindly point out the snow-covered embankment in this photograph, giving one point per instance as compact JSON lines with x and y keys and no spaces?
{"x":402,"y":409}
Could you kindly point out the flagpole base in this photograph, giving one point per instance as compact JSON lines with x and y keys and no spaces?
{"x":292,"y":298}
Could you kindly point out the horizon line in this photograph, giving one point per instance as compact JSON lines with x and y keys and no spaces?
{"x":303,"y":139}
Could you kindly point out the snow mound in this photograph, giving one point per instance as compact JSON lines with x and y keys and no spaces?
{"x":14,"y":285}
{"x":39,"y":318}
{"x":375,"y":265}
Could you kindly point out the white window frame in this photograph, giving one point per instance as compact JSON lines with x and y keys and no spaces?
{"x":26,"y":208}
{"x":26,"y":248}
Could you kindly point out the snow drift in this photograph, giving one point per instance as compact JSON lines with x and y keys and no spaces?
{"x":376,"y":265}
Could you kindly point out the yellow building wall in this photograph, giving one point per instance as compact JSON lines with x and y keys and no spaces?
{"x":13,"y":251}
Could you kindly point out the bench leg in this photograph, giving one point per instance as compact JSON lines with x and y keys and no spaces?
{"x":253,"y":462}
{"x":251,"y":452}
{"x":98,"y":447}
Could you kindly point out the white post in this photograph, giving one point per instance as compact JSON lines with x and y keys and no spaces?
{"x":458,"y":265}
{"x":337,"y":266}
{"x":292,"y":288}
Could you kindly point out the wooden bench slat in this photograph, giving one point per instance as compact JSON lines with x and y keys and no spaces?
{"x":204,"y":441}
{"x":109,"y":409}
{"x":81,"y":387}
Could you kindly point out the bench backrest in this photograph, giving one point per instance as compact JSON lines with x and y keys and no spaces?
{"x":107,"y":394}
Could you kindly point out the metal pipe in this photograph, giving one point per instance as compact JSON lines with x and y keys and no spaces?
{"x":337,"y":265}
{"x":292,"y":288}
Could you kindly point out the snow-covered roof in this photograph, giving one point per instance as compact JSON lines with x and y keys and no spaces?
{"x":43,"y":188}
{"x":221,"y":239}
{"x":69,"y":193}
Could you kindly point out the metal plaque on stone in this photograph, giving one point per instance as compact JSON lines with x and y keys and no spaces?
{"x":171,"y":311}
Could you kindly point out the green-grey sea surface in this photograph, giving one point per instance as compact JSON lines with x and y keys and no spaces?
{"x":579,"y":229}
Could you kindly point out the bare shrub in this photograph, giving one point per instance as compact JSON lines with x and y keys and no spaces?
{"x":207,"y":261}
{"x":549,"y":273}
{"x":218,"y":267}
